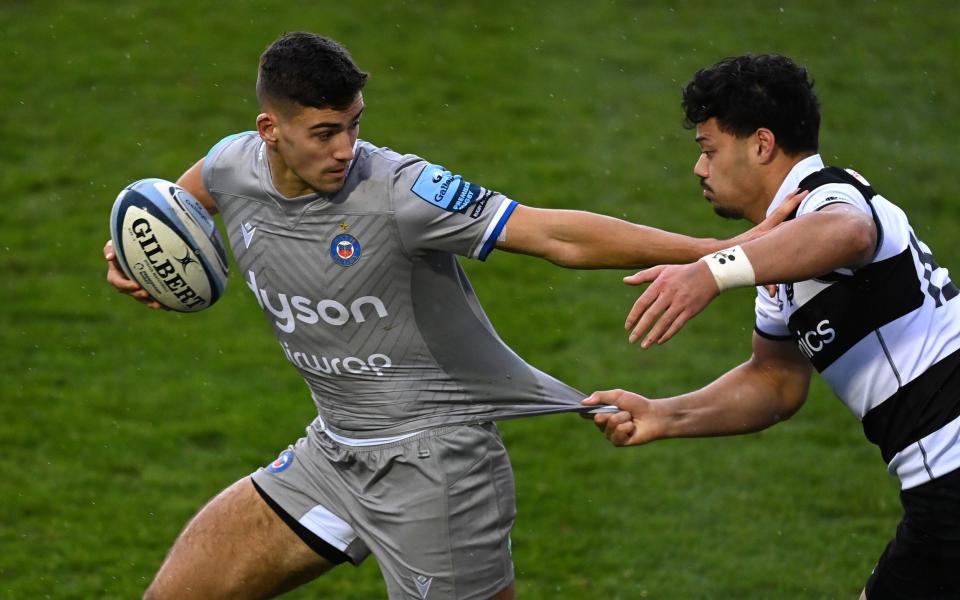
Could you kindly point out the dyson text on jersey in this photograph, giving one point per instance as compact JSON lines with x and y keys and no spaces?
{"x":305,"y":310}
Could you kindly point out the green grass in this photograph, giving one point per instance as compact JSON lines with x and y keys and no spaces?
{"x":116,"y":424}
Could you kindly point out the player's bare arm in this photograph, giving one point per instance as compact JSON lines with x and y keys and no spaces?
{"x":580,"y":239}
{"x":767,"y":389}
{"x":837,"y":236}
{"x":192,"y":181}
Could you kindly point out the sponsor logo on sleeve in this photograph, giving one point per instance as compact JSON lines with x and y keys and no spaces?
{"x":819,"y":203}
{"x":480,"y":205}
{"x":450,"y":192}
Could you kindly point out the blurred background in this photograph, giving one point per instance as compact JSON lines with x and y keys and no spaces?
{"x":118,"y":423}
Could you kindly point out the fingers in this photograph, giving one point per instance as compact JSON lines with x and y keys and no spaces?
{"x":667,"y":325}
{"x":638,"y":312}
{"x":661,"y":321}
{"x":603,"y":397}
{"x":592,"y":399}
{"x":778,"y":216}
{"x":795,"y":197}
{"x":647,"y":307}
{"x":118,"y":279}
{"x":123,"y":285}
{"x":623,"y":433}
{"x":790,"y":203}
{"x":676,"y":324}
{"x":617,"y":427}
{"x":645,"y":276}
{"x":679,"y":293}
{"x":655,"y":313}
{"x":151,"y":303}
{"x":621,"y":428}
{"x":648,"y":316}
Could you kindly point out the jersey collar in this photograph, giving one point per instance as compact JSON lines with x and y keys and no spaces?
{"x":810,"y":164}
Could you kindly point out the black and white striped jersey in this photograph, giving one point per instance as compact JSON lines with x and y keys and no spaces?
{"x":886,"y":336}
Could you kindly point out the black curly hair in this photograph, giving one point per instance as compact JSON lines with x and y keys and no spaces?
{"x":745,"y":93}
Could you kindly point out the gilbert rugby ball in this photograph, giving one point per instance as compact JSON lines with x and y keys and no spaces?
{"x":167,"y":242}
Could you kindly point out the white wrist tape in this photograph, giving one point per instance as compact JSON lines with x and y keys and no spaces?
{"x":731,"y":268}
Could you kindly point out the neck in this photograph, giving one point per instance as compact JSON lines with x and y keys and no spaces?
{"x":284,"y":180}
{"x":774,"y":177}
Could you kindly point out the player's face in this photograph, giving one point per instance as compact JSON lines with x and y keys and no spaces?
{"x":314,"y":147}
{"x":726,"y":171}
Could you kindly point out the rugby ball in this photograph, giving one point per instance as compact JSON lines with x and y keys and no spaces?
{"x":167,"y":242}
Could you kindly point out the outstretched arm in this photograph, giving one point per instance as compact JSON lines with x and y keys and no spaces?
{"x":585,"y":240}
{"x":767,"y":389}
{"x":837,"y":236}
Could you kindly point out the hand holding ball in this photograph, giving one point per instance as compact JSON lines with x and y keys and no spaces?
{"x":166,"y":241}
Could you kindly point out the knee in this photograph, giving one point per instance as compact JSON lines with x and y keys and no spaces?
{"x":152,"y":594}
{"x":166,"y":588}
{"x":156,"y":592}
{"x":172,"y":592}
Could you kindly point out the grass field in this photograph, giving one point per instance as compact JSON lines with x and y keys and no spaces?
{"x":116,"y":423}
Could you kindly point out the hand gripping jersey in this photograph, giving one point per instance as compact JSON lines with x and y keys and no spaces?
{"x":366,"y":296}
{"x":886,"y":337}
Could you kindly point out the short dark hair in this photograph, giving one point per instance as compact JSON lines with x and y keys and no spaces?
{"x":745,"y":93}
{"x":308,"y":69}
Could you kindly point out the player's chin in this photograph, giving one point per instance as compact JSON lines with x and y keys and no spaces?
{"x":328,"y":185}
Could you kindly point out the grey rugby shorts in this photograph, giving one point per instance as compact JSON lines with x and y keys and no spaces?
{"x":435,"y":509}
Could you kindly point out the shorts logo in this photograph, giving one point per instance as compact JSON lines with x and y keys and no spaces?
{"x":423,"y":585}
{"x":345,"y":250}
{"x":283,"y":461}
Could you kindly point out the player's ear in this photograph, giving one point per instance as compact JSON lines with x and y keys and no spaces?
{"x":267,"y":128}
{"x":766,"y":143}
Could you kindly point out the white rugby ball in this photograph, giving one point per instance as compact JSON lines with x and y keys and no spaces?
{"x":167,"y":242}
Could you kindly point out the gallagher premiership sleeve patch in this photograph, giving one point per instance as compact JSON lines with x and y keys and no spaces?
{"x":450,"y":192}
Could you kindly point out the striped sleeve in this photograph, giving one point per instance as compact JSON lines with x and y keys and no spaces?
{"x":770,"y":323}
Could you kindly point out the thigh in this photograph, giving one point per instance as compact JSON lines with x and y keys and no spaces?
{"x":921,"y":562}
{"x":236,"y":547}
{"x":439,"y":518}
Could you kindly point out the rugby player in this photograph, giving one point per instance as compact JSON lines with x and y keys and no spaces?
{"x":859,"y":297}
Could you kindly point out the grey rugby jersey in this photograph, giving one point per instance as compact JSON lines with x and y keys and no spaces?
{"x":366,"y":296}
{"x":885,"y":337}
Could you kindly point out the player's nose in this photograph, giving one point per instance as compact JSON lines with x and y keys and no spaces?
{"x":700,"y":167}
{"x":344,"y":148}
